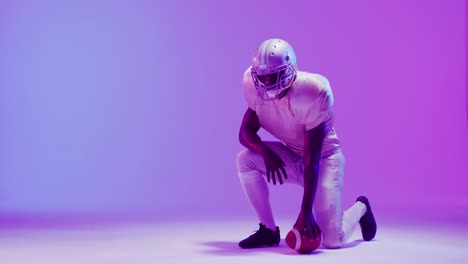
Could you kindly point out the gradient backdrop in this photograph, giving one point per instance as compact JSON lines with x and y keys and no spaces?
{"x":132,"y":108}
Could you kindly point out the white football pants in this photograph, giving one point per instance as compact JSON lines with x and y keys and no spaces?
{"x":336,"y":225}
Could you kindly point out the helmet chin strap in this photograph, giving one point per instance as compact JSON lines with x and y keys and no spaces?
{"x":282,"y":93}
{"x":274,"y":93}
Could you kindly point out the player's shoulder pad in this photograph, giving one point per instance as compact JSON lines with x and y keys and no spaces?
{"x":247,"y":77}
{"x":309,"y":87}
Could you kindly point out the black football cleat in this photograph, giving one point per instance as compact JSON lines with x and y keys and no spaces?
{"x":264,"y":237}
{"x":367,"y":221}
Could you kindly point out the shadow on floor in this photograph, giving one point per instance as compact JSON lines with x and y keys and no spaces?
{"x":230,"y":248}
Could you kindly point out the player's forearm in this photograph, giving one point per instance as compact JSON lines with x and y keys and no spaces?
{"x":252,"y":141}
{"x":312,"y":153}
{"x":310,"y":186}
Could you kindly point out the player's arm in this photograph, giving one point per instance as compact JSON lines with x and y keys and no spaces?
{"x":249,"y":138}
{"x":312,"y":150}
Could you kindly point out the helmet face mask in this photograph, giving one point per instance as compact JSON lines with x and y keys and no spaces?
{"x":274,"y":85}
{"x":273,"y":69}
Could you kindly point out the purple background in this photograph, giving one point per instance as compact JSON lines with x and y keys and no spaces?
{"x":133,"y":107}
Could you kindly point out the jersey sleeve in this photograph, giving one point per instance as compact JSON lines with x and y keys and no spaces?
{"x":250,"y":93}
{"x":314,"y":105}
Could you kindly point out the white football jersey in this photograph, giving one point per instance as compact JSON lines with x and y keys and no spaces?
{"x":307,"y":103}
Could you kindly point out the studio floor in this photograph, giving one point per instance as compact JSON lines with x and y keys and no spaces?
{"x":200,"y":241}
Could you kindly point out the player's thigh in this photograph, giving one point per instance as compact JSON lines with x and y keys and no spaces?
{"x":291,"y":160}
{"x":328,"y":207}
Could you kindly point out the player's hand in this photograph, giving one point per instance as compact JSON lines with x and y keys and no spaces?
{"x":306,"y":222}
{"x":274,"y":166}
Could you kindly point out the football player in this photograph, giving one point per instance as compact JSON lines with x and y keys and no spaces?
{"x":296,"y":108}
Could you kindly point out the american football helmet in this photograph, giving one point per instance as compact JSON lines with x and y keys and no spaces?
{"x":273,"y":68}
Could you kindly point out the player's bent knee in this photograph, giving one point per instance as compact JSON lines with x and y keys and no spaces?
{"x":333,"y":241}
{"x":247,"y":160}
{"x":332,"y":244}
